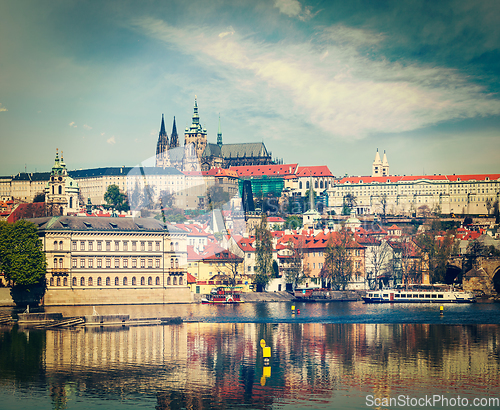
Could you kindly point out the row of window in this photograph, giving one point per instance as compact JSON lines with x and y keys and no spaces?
{"x":90,"y":281}
{"x":117,"y":245}
{"x":315,"y":184}
{"x":89,"y":263}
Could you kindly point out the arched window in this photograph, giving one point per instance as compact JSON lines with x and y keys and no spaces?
{"x":60,"y":189}
{"x":116,"y":281}
{"x":53,"y":190}
{"x":300,"y":185}
{"x":82,"y":281}
{"x":168,"y":280}
{"x":316,"y":184}
{"x":58,"y":281}
{"x":157,"y":282}
{"x":176,"y":262}
{"x":177,"y":246}
{"x":180,"y":281}
{"x":174,"y":280}
{"x":51,"y":281}
{"x":65,"y":281}
{"x":90,"y":281}
{"x":55,"y":263}
{"x":99,"y":281}
{"x":125,"y":281}
{"x":55,"y":245}
{"x":171,"y":262}
{"x":134,"y":281}
{"x":307,"y":184}
{"x":321,"y":184}
{"x":108,"y":281}
{"x":74,"y":281}
{"x":143,"y":281}
{"x":60,"y":262}
{"x":60,"y":245}
{"x":171,"y":246}
{"x":71,"y":202}
{"x":150,"y":280}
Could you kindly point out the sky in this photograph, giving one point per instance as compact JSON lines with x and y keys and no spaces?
{"x":319,"y":82}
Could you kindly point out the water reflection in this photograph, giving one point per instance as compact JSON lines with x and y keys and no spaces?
{"x":220,"y":365}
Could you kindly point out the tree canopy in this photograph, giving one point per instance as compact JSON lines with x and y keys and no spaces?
{"x":22,"y":259}
{"x":114,"y":197}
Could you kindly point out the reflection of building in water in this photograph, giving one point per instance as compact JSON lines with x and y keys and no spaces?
{"x":219,"y":364}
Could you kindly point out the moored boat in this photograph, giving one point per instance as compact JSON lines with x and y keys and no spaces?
{"x":223,"y":295}
{"x":419,"y":294}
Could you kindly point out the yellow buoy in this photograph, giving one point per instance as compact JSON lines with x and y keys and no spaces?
{"x":293,"y":307}
{"x":441,"y":309}
{"x":262,"y":343}
{"x":267,"y":351}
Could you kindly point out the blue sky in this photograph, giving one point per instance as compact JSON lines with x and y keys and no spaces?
{"x":320,"y":82}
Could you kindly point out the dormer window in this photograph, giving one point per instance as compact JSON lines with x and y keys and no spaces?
{"x":88,"y":224}
{"x":113,"y":225}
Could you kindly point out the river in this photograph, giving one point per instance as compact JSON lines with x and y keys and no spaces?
{"x":332,"y":355}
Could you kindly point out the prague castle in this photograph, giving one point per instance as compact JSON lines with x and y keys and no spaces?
{"x":200,"y":155}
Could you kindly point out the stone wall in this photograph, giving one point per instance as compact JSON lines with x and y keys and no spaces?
{"x":5,"y":298}
{"x":92,"y":297}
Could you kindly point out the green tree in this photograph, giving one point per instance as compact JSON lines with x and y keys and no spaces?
{"x":293,"y":222}
{"x":349,"y":204}
{"x":23,"y":261}
{"x":263,"y":254}
{"x":40,"y":197}
{"x":217,"y":197}
{"x":338,"y":267}
{"x":116,"y":199}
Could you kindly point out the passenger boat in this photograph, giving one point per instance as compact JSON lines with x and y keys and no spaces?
{"x":223,"y":295}
{"x":419,"y":294}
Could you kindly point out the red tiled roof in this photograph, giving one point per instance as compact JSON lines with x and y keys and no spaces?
{"x":315,"y":171}
{"x":190,"y":278}
{"x":265,"y":170}
{"x":411,"y":178}
{"x":221,"y":172}
{"x":191,"y":254}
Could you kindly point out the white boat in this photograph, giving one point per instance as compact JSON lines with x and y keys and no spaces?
{"x":419,"y":294}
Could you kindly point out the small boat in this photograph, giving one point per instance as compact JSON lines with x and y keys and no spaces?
{"x":223,"y":295}
{"x":419,"y":294}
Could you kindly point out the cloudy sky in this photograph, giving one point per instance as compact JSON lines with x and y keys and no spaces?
{"x":320,"y":82}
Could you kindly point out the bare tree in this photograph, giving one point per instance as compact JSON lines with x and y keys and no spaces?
{"x":338,"y":267}
{"x":294,"y":270}
{"x":377,"y":259}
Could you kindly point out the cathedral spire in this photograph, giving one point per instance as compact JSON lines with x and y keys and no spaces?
{"x":196,"y":117}
{"x":174,"y":137}
{"x":219,"y":135}
{"x":162,"y":128}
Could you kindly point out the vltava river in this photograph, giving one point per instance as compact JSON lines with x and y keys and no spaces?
{"x":218,"y":364}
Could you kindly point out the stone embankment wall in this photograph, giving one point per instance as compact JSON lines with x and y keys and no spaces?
{"x":93,"y":297}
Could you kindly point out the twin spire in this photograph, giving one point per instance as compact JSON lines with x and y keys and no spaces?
{"x":380,"y":168}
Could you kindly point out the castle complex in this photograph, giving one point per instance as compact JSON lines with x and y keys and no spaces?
{"x":200,"y":155}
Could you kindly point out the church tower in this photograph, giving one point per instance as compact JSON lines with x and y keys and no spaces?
{"x":377,"y":166}
{"x":219,"y":135}
{"x":162,"y":157}
{"x":61,"y":192}
{"x":385,"y":166}
{"x":195,"y":139}
{"x":174,"y":138}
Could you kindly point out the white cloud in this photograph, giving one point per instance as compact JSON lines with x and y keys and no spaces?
{"x":111,"y":140}
{"x":2,"y":108}
{"x":102,"y":133}
{"x":72,"y":124}
{"x":329,"y":83}
{"x":293,"y":8}
{"x":230,"y":31}
{"x":87,"y":127}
